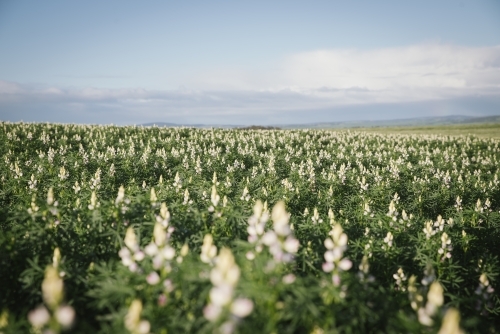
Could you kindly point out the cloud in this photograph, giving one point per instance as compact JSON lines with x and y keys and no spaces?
{"x":316,"y":83}
{"x":419,"y":72}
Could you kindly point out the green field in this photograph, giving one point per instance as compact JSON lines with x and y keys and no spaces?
{"x":482,"y":130}
{"x":107,"y":229}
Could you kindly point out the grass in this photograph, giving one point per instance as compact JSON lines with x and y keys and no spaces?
{"x":483,"y":130}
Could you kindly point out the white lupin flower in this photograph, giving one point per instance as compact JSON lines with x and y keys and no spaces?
{"x":315,"y":218}
{"x":224,"y":276}
{"x":393,"y":213}
{"x":478,"y":207}
{"x":245,"y":196}
{"x":446,"y":247}
{"x":50,"y":196}
{"x":152,"y":196}
{"x":428,"y":230}
{"x":164,"y":217}
{"x":76,"y":187}
{"x":214,"y":198}
{"x":439,"y":223}
{"x":242,"y":307}
{"x":32,"y":183}
{"x":208,"y":249}
{"x":186,"y":198}
{"x":52,"y":287}
{"x":121,"y":196}
{"x":63,"y":174}
{"x":177,"y":182}
{"x":133,"y":320}
{"x":400,"y":277}
{"x":39,"y":317}
{"x":65,"y":315}
{"x":93,"y":201}
{"x":388,"y":240}
{"x":336,"y":245}
{"x":451,"y":322}
{"x":153,"y":278}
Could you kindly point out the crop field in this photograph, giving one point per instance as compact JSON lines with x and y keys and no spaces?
{"x":481,"y":130}
{"x":107,"y":229}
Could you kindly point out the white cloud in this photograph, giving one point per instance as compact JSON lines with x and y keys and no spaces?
{"x":350,"y":76}
{"x":405,"y":73}
{"x":316,"y":80}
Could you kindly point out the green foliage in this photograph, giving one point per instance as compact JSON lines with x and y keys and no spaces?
{"x":426,"y":204}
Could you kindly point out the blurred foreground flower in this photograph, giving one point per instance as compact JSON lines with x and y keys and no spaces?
{"x":335,"y":247}
{"x":224,"y":277}
{"x":133,"y":320}
{"x":52,"y":292}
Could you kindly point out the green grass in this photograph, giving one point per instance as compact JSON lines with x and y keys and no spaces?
{"x":484,"y":130}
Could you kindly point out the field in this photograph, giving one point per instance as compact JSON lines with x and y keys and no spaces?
{"x":173,"y":230}
{"x":481,"y":130}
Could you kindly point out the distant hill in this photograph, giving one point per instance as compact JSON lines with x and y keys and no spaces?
{"x":421,"y":121}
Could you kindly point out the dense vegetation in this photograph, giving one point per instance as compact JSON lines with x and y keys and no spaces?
{"x":170,"y":230}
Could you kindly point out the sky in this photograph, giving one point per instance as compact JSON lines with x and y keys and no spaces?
{"x":247,"y":62}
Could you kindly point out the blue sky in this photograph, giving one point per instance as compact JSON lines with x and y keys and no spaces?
{"x":247,"y":62}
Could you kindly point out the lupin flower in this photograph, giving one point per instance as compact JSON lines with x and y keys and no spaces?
{"x":214,"y":198}
{"x":364,"y":270}
{"x":164,"y":217}
{"x":416,"y":299}
{"x":214,"y":179}
{"x":393,"y":213}
{"x":331,"y":217}
{"x":363,"y":184}
{"x":245,"y":196}
{"x":281,"y":242}
{"x":93,"y":201}
{"x":112,"y":170}
{"x":131,"y":252}
{"x":400,"y":277}
{"x":208,"y":250}
{"x":76,"y":187}
{"x":335,"y":247}
{"x":428,"y":230}
{"x":479,"y":207}
{"x":133,"y":320}
{"x":52,"y":293}
{"x":184,"y":251}
{"x":315,"y":218}
{"x":405,"y":219}
{"x":256,"y":227}
{"x":485,"y":292}
{"x":121,"y":196}
{"x":367,"y":211}
{"x":32,"y":183}
{"x":95,"y":182}
{"x":152,"y":196}
{"x":177,"y":182}
{"x":458,"y":204}
{"x":33,"y":208}
{"x":63,"y":174}
{"x":439,"y":223}
{"x":446,"y":247}
{"x":159,"y":249}
{"x":50,"y":196}
{"x":186,"y":198}
{"x":388,"y":241}
{"x":434,"y":300}
{"x":451,"y":322}
{"x":224,"y":277}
